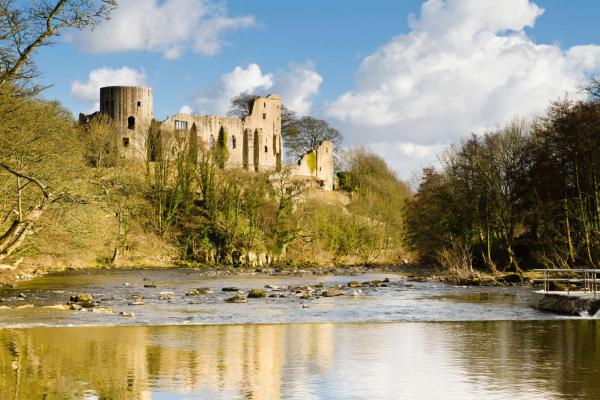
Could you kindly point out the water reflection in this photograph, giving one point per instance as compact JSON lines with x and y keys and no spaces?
{"x":527,"y":359}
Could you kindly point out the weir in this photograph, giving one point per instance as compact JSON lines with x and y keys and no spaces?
{"x":568,"y":291}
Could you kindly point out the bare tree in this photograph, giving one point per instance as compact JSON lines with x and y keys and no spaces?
{"x":241,"y":105}
{"x":27,"y":26}
{"x":307,"y":134}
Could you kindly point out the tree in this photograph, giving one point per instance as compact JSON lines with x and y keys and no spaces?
{"x":26,"y":26}
{"x":101,"y":141}
{"x":241,"y":105}
{"x":39,"y":163}
{"x":306,"y":134}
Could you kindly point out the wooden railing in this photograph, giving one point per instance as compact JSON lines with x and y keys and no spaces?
{"x":585,"y":279}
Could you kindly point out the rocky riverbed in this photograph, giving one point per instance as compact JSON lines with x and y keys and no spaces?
{"x":188,"y":297}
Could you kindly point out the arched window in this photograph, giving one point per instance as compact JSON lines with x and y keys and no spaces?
{"x":211,"y":141}
{"x":131,"y":123}
{"x":233,"y":142}
{"x":266,"y":149}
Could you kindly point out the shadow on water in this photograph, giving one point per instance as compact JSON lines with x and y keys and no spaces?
{"x":456,"y":360}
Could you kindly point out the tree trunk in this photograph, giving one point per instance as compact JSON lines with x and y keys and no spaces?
{"x":14,"y":237}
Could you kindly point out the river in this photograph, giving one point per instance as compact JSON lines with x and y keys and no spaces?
{"x":401,"y":340}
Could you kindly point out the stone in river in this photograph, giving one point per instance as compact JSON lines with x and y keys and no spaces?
{"x":150,"y":285}
{"x":83,"y":299}
{"x":127,"y":314}
{"x":230,"y":289}
{"x":237,"y":299}
{"x":165,"y":296}
{"x":354,"y":284}
{"x":256,"y":294}
{"x":331,"y":293}
{"x":136,"y":300}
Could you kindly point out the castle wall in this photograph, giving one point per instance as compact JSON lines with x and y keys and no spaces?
{"x":131,"y":109}
{"x":253,"y":143}
{"x":317,"y":165}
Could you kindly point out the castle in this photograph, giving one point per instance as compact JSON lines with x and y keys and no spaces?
{"x":253,"y":143}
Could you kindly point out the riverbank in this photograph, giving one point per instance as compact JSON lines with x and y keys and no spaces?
{"x":10,"y":276}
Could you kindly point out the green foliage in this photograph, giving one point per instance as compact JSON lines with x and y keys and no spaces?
{"x":523,"y":195}
{"x":311,"y":161}
{"x":221,"y":150}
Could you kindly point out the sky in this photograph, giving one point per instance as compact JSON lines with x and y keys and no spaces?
{"x":406,"y":78}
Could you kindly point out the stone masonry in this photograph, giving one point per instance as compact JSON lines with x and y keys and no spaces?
{"x":253,"y":143}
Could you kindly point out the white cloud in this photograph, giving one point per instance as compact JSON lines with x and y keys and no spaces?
{"x":295,"y":86}
{"x":89,"y":91}
{"x":465,"y":66}
{"x":170,"y":27}
{"x":217,"y":98}
{"x":185,"y":109}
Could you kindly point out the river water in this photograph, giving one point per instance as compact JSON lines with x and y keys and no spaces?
{"x":405,"y":340}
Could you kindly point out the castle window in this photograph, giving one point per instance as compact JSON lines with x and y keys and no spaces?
{"x":233,"y":142}
{"x":181,"y":125}
{"x":265,"y":104}
{"x":131,"y":123}
{"x":139,"y":103}
{"x":266,"y":149}
{"x":125,"y":142}
{"x":264,"y":116}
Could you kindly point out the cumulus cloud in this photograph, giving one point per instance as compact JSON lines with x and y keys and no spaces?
{"x":466,"y":65}
{"x":296,"y":86}
{"x":170,"y":27}
{"x":217,"y":98}
{"x":89,"y":91}
{"x":185,"y":109}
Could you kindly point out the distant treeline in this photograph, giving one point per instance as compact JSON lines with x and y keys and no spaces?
{"x":524,"y":195}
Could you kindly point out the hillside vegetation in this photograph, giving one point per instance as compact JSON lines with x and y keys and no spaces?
{"x":67,"y":199}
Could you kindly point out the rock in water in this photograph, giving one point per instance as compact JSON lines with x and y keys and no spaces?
{"x":256,"y":294}
{"x":331,"y":293}
{"x":166,"y":296}
{"x":237,"y":299}
{"x":230,"y":289}
{"x":83,"y":299}
{"x":354,"y":284}
{"x":127,"y":314}
{"x":136,"y":300}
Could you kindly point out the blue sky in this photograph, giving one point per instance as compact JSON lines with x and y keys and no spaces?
{"x":317,"y":52}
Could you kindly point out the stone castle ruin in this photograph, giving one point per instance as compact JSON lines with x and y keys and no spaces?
{"x":253,"y":143}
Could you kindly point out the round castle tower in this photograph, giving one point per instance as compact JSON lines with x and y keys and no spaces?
{"x":131,"y":109}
